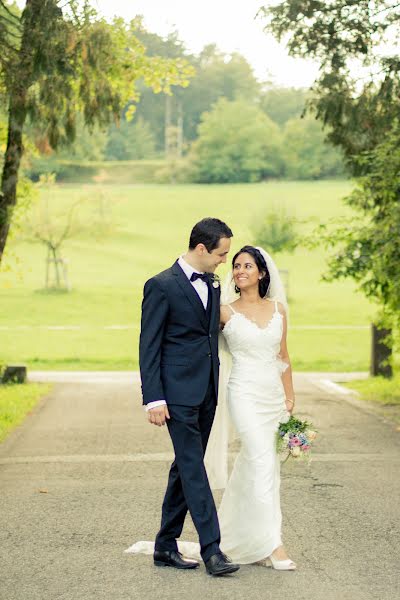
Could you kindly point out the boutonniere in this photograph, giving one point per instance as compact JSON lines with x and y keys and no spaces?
{"x":215,"y":280}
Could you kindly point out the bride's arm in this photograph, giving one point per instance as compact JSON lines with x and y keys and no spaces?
{"x":224,"y":315}
{"x":287,"y":379}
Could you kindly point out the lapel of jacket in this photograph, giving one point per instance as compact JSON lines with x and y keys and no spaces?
{"x":213,"y":298}
{"x":190,"y":294}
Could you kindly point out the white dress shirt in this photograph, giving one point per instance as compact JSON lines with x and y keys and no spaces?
{"x":202,"y":290}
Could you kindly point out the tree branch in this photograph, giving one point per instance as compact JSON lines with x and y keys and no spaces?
{"x":8,"y":11}
{"x":5,"y":65}
{"x":18,"y":36}
{"x":64,"y":5}
{"x":68,"y":226}
{"x":9,"y":46}
{"x":382,"y":10}
{"x":7,"y":20}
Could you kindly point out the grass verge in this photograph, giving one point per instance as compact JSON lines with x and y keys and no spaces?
{"x":16,"y":402}
{"x":385,"y":393}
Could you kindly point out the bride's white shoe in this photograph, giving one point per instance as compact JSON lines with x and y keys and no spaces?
{"x":280,"y":565}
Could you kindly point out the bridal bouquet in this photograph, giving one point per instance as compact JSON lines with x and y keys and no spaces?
{"x":295,"y":437}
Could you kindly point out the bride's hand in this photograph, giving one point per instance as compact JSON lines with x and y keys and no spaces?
{"x":289,"y":405}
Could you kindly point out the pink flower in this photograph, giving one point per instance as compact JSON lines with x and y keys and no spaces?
{"x":294,"y":441}
{"x":305,"y":447}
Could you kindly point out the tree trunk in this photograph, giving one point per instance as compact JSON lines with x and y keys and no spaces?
{"x":180,"y":129}
{"x":17,"y":110}
{"x":12,"y":161}
{"x":48,"y":259}
{"x":56,"y":269}
{"x":167,"y":125}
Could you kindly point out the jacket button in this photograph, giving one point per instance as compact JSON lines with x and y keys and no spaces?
{"x":209,"y":335}
{"x":209,"y":354}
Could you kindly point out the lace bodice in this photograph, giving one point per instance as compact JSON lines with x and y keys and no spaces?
{"x":247,"y":342}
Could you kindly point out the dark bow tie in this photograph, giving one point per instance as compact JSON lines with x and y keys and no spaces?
{"x":203,"y":276}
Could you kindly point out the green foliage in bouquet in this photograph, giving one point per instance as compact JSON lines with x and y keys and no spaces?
{"x":294,"y":428}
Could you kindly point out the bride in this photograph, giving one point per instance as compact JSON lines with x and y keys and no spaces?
{"x":259,"y":390}
{"x":256,"y":389}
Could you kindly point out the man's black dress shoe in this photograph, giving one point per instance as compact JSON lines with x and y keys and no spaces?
{"x":220,"y":564}
{"x":170,"y":558}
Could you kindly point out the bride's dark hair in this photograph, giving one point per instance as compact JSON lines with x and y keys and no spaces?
{"x":263,"y":284}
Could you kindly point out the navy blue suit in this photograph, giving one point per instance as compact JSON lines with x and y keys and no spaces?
{"x":179,"y":363}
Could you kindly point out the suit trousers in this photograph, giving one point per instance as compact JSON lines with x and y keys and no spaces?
{"x":188,"y":487}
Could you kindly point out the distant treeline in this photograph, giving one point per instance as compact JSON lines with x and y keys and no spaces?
{"x":225,"y":126}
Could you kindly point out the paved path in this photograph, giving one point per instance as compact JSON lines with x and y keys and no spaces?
{"x":83,"y":478}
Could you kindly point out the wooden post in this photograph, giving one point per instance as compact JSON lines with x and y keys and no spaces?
{"x":14,"y":374}
{"x":380,"y":353}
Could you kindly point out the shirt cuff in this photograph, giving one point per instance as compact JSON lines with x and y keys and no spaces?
{"x":154,"y":404}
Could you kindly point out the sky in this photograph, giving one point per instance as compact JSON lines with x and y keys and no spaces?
{"x":230,"y":24}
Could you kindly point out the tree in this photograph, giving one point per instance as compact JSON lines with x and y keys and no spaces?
{"x":237,"y":143}
{"x":89,"y":143}
{"x":370,"y":251}
{"x":217,"y":75}
{"x":164,"y":112}
{"x":132,"y":140}
{"x":282,"y":104}
{"x":58,"y":60}
{"x":358,"y":89}
{"x":306,"y":153}
{"x":52,"y":224}
{"x":52,"y":227}
{"x":357,"y":94}
{"x":277,"y":232}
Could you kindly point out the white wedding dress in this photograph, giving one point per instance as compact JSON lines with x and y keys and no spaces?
{"x":249,"y":513}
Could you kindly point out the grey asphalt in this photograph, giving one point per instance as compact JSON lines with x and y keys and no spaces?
{"x":83,"y":478}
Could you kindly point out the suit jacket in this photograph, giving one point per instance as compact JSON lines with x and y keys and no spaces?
{"x":178,"y":348}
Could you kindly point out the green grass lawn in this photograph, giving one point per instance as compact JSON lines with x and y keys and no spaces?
{"x":149,"y":229}
{"x":384,"y":393}
{"x":16,"y":401}
{"x":378,"y":389}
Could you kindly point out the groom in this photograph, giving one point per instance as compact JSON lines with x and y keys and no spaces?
{"x":179,"y":370}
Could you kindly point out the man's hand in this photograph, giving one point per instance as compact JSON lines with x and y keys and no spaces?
{"x":158,"y":415}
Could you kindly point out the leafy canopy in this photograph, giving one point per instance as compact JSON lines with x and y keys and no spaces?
{"x":358,"y":88}
{"x":357,"y":94}
{"x":71,"y":61}
{"x":237,"y":143}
